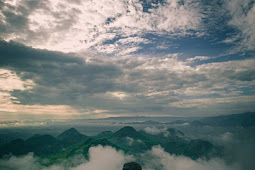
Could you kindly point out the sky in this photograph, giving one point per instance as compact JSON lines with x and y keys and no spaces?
{"x":109,"y":58}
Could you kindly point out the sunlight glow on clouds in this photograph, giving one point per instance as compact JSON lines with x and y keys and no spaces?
{"x":11,"y":104}
{"x":119,"y":95}
{"x":10,"y":81}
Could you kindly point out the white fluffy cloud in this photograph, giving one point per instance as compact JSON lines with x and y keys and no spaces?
{"x":156,"y":131}
{"x":19,"y":163}
{"x":104,"y":158}
{"x":71,"y":26}
{"x":165,"y":161}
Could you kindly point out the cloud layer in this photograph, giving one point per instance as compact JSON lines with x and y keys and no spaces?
{"x":103,"y":86}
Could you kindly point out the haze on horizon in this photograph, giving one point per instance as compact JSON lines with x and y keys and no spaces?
{"x":108,"y":58}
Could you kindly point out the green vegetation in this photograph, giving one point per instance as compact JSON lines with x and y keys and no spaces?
{"x":71,"y":143}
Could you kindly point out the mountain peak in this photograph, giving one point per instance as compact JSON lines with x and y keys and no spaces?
{"x":128,"y":128}
{"x":105,"y":134}
{"x":72,"y":132}
{"x":132,"y":166}
{"x":175,"y":133}
{"x":128,"y":131}
{"x":71,"y":136}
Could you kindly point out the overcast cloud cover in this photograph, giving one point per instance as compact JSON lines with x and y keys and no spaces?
{"x":104,"y":58}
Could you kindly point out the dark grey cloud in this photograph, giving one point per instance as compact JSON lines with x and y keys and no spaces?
{"x":16,"y":17}
{"x":59,"y":78}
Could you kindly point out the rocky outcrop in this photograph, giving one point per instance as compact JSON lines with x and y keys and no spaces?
{"x":132,"y":166}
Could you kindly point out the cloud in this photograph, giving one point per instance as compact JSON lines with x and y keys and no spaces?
{"x":117,"y":94}
{"x":22,"y":123}
{"x":70,"y":27}
{"x":198,"y":58}
{"x":242,"y":15}
{"x":130,"y":140}
{"x":9,"y":81}
{"x":156,"y":131}
{"x":104,"y":158}
{"x":226,"y":138}
{"x":205,"y":102}
{"x":9,"y":105}
{"x":19,"y":163}
{"x":159,"y":159}
{"x":239,"y":147}
{"x":123,"y":46}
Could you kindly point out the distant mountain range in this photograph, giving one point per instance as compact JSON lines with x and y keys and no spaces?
{"x":234,"y":120}
{"x":71,"y":143}
{"x":145,"y":118}
{"x":244,"y":120}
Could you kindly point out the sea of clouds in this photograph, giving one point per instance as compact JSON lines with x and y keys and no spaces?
{"x":108,"y":158}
